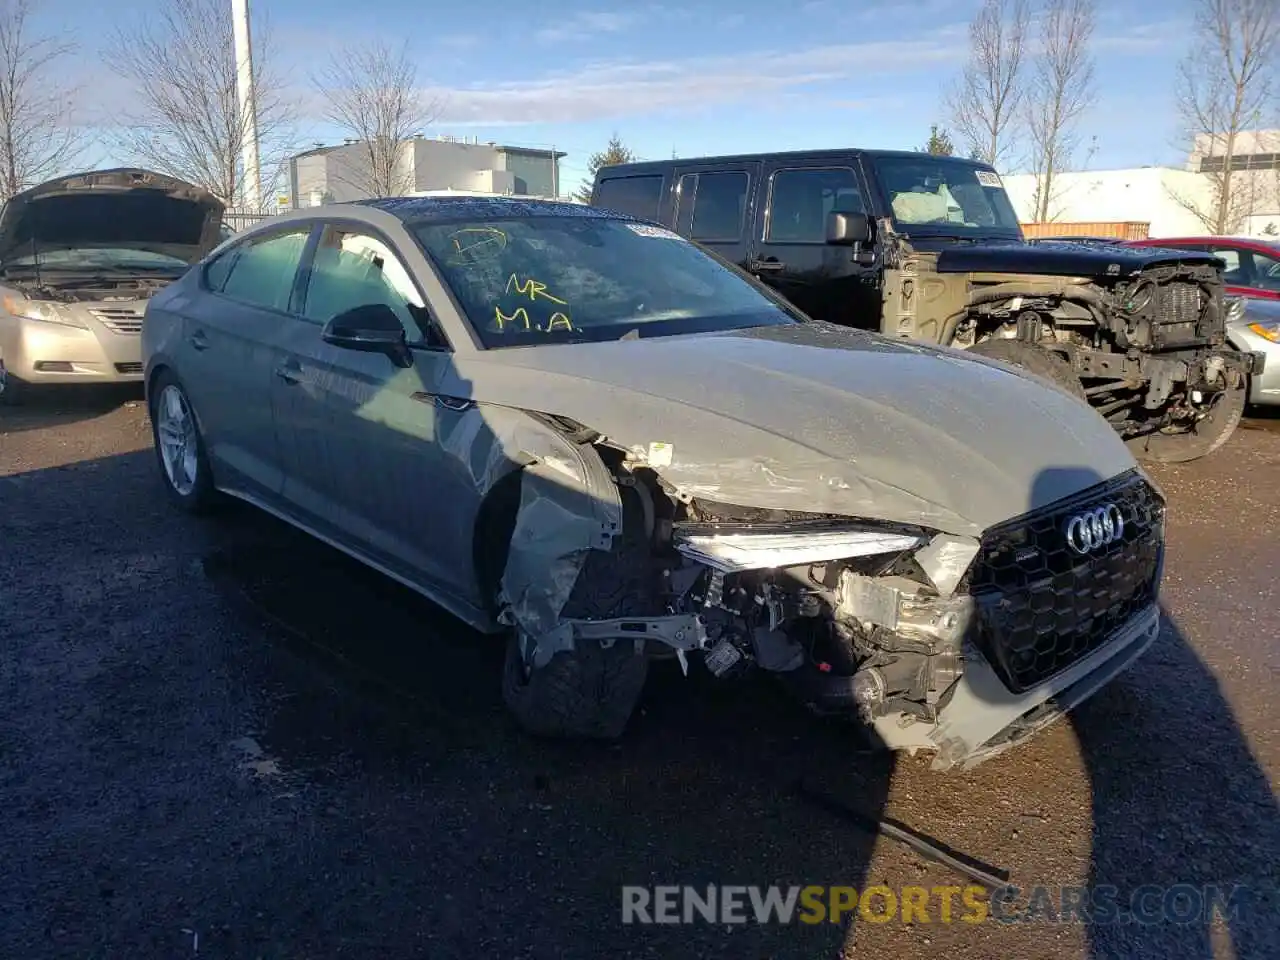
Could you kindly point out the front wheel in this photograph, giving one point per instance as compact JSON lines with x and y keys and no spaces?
{"x":1181,"y":445}
{"x":180,"y":452}
{"x":1033,"y":359}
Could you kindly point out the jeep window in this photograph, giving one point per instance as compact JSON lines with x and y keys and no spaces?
{"x":719,"y":206}
{"x":800,"y":200}
{"x":557,"y":279}
{"x":637,"y":196}
{"x":940,"y":197}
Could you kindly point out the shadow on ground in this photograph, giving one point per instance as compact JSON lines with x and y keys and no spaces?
{"x":44,"y":407}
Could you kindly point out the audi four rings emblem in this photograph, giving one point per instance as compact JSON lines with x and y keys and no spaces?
{"x":1096,"y":528}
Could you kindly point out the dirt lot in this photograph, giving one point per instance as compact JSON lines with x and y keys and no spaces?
{"x":222,"y":739}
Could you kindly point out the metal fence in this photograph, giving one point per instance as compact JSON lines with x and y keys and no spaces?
{"x":238,"y":218}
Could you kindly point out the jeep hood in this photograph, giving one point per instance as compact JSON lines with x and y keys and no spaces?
{"x":126,"y":207}
{"x":816,"y":417}
{"x":1062,"y":258}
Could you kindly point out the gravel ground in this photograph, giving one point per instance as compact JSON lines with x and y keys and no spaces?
{"x":219,"y":738}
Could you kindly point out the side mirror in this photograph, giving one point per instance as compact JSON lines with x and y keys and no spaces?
{"x":373,"y":328}
{"x":846,"y":229}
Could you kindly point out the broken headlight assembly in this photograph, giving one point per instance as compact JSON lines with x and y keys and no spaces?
{"x":864,"y":616}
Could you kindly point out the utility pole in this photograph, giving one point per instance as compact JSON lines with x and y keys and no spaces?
{"x":248,"y":104}
{"x":555,"y":174}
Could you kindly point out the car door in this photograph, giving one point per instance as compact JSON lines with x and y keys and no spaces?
{"x":1266,"y":274}
{"x":715,"y":206}
{"x":359,"y":433}
{"x":231,"y":336}
{"x":837,"y":283}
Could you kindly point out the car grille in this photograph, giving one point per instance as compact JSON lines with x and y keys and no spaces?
{"x":122,"y":320}
{"x":1041,"y":605}
{"x":134,"y":367}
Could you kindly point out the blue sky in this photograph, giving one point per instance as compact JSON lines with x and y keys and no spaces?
{"x":699,"y":77}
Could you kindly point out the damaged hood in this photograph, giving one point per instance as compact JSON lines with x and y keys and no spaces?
{"x":1061,"y":258}
{"x":820,"y":418}
{"x":126,"y":207}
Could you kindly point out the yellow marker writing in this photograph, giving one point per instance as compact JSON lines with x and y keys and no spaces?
{"x":533,"y":289}
{"x":502,"y":319}
{"x":559,"y":321}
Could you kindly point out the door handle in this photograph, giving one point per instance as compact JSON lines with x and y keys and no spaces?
{"x":198,"y":340}
{"x":767,"y":266}
{"x":290,"y":373}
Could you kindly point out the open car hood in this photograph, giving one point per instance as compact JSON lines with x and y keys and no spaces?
{"x":820,"y":418}
{"x":124,"y":207}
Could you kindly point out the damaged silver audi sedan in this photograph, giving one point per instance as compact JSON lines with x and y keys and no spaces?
{"x":589,"y":433}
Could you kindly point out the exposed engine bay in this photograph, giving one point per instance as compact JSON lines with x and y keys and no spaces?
{"x":87,"y":287}
{"x":1147,"y":349}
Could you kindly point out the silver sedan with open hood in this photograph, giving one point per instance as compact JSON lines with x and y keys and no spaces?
{"x":589,"y":433}
{"x":79,"y":258}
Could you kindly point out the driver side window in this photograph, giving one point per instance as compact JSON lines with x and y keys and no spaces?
{"x":353,"y":269}
{"x":1266,"y":271}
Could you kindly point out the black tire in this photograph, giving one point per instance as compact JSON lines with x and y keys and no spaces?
{"x":1037,"y":360}
{"x":591,"y":691}
{"x":1207,"y":436}
{"x":12,"y":390}
{"x":202,"y":496}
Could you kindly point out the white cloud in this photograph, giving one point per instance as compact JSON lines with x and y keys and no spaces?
{"x":629,"y":88}
{"x":584,"y":25}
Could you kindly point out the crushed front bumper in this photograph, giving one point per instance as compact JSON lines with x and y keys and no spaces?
{"x":983,"y":718}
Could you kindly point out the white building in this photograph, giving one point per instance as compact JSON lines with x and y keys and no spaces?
{"x":1174,"y":201}
{"x":443,"y":164}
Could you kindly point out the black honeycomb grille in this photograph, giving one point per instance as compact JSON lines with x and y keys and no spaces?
{"x":1042,"y":606}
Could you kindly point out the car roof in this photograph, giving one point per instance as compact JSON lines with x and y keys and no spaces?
{"x":428,"y":209}
{"x":788,"y":155}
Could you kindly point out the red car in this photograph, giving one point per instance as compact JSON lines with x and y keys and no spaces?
{"x":1252,"y":267}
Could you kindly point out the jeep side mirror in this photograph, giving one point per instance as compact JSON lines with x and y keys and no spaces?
{"x":373,"y":328}
{"x":846,"y":229}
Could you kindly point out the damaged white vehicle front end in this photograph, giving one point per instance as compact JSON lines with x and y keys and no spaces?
{"x":958,"y":643}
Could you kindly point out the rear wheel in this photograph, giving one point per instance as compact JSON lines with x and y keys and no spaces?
{"x":1205,"y":436}
{"x":591,"y":690}
{"x":1044,"y":363}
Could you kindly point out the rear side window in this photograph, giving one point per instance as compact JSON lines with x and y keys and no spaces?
{"x":262,"y":271}
{"x":719,"y":206}
{"x":636,"y":196}
{"x":801,"y":200}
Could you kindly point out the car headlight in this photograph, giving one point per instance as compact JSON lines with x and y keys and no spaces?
{"x":1268,"y":330}
{"x":1234,"y":308}
{"x":38,"y":310}
{"x":735,"y":552}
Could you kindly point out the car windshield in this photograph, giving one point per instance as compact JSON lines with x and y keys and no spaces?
{"x":566,"y":279}
{"x":98,"y":258}
{"x":933,"y":196}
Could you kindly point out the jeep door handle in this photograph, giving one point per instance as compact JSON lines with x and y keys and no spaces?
{"x":290,"y":373}
{"x":198,"y":341}
{"x":767,"y":266}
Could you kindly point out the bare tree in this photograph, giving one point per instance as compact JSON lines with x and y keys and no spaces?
{"x":1061,"y":90}
{"x":184,"y":118}
{"x":39,"y":136}
{"x":1226,"y":85}
{"x":986,"y":99}
{"x":371,"y":92}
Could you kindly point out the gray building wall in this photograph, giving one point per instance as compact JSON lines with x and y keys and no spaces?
{"x":534,"y":172}
{"x":337,"y":174}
